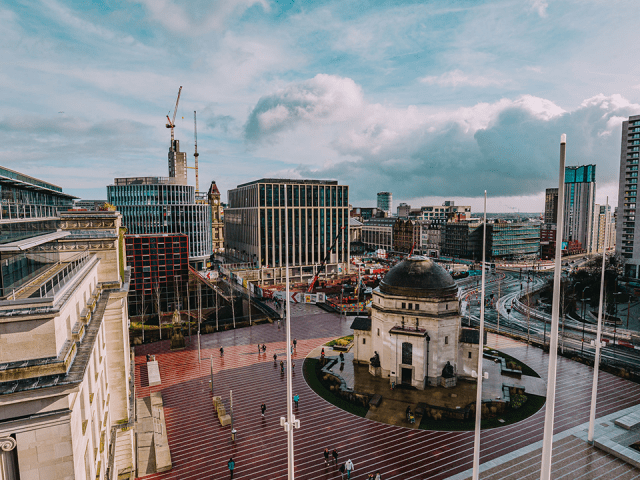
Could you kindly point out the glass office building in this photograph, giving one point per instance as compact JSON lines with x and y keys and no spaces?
{"x":513,"y":241}
{"x":318,"y":212}
{"x":628,"y":196}
{"x":579,"y":202}
{"x":162,"y":205}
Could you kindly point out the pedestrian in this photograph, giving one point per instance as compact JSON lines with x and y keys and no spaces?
{"x":281,"y":367}
{"x":263,"y":408}
{"x":259,"y":349}
{"x":349,"y":467}
{"x":221,"y":351}
{"x":232,"y":465}
{"x":326,"y":456}
{"x":341,"y":357}
{"x":295,"y":343}
{"x":342,"y":469}
{"x":378,"y":477}
{"x":334,"y":455}
{"x":293,"y":367}
{"x":275,"y":358}
{"x":264,"y":348}
{"x":296,"y":399}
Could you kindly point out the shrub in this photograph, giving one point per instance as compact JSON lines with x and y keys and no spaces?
{"x":518,"y":401}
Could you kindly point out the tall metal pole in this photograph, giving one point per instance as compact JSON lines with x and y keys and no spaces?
{"x":498,"y":306}
{"x":476,"y":441}
{"x":233,"y":308}
{"x":189,"y":308}
{"x":249,"y":291}
{"x":596,"y":360}
{"x":547,"y":441}
{"x":290,"y":418}
{"x":217,"y":307}
{"x":199,"y":316}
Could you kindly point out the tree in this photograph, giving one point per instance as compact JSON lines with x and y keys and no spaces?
{"x":156,"y":291}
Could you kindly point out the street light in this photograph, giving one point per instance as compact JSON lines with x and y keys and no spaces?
{"x":583,"y":319}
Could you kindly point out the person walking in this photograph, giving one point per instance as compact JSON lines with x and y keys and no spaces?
{"x":263,"y":408}
{"x":259,"y":349}
{"x":378,"y":477}
{"x":342,"y":469}
{"x":296,"y":399}
{"x":349,"y":467}
{"x":221,"y":351}
{"x":334,"y":454}
{"x":326,"y":456}
{"x":295,"y":343}
{"x":232,"y":465}
{"x":275,"y":358}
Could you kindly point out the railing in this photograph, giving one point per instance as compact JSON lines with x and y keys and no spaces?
{"x":55,"y":283}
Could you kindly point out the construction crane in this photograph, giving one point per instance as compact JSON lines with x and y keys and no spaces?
{"x":172,"y":122}
{"x":196,"y":154}
{"x":323,"y":262}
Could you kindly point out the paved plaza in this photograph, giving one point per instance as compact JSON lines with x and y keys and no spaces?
{"x":200,"y":447}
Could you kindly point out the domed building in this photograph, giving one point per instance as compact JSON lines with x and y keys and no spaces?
{"x":414,"y":336}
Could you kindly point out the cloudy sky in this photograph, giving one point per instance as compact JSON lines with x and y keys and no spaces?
{"x":430,"y":100}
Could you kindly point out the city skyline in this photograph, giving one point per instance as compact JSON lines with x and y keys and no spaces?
{"x":429,"y":101}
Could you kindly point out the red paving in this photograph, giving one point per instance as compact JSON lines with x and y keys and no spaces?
{"x":200,"y":447}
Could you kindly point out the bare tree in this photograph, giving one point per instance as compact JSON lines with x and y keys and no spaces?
{"x":156,"y":291}
{"x":144,"y":310}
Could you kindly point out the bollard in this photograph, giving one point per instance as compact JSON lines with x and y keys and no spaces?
{"x":233,"y":435}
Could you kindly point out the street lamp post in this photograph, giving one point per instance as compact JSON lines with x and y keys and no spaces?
{"x":583,"y":320}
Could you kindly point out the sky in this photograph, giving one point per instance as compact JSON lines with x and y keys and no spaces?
{"x":430,"y":100}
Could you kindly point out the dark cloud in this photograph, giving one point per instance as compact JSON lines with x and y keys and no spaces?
{"x":223,"y":122}
{"x":516,"y":154}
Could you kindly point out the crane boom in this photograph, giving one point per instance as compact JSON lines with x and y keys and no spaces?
{"x":172,"y":122}
{"x":323,"y":262}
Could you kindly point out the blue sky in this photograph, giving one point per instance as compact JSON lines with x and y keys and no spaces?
{"x":429,"y":100}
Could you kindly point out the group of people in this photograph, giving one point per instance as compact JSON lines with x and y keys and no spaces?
{"x":347,"y":467}
{"x":410,"y":417}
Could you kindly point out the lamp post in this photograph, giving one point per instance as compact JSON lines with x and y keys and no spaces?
{"x":583,"y":320}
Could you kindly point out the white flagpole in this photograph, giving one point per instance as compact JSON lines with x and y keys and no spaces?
{"x":547,"y":442}
{"x":290,"y":421}
{"x":476,"y":441}
{"x":596,"y":360}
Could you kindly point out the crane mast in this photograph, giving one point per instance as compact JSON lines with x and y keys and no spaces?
{"x":196,"y":154}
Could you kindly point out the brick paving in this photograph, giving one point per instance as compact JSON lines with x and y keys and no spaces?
{"x":200,"y":447}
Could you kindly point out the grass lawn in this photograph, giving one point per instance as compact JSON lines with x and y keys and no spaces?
{"x":311,"y":370}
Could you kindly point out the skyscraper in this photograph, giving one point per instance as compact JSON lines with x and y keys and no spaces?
{"x":385,"y":202}
{"x":627,"y":194}
{"x":579,"y":201}
{"x":551,"y":205}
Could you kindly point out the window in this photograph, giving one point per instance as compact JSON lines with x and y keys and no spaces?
{"x":364,"y":341}
{"x":417,"y":306}
{"x":404,"y":305}
{"x":446,"y":340}
{"x":410,"y":306}
{"x":378,"y":332}
{"x":469,"y":354}
{"x":407,"y":353}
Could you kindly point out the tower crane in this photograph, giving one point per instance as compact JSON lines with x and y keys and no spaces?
{"x":172,"y":122}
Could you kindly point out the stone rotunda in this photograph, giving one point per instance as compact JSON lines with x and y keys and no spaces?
{"x":414,"y":335}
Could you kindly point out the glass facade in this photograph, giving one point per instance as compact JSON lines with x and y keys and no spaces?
{"x":513,"y":240}
{"x":318,"y":213}
{"x":159,"y":208}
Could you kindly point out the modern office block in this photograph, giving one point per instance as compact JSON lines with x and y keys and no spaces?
{"x":626,"y":227}
{"x":579,"y":201}
{"x":157,"y":205}
{"x":318,"y":213}
{"x":385,"y":202}
{"x":513,"y":241}
{"x":377,"y":233}
{"x":551,"y":206}
{"x":159,"y":272}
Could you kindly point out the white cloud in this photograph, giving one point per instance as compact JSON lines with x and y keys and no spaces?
{"x":198,"y":18}
{"x":457,"y":78}
{"x":540,"y":6}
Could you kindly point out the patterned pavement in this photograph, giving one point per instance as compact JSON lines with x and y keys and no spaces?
{"x":200,"y":447}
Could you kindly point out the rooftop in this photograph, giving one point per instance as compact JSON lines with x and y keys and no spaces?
{"x":294,"y":181}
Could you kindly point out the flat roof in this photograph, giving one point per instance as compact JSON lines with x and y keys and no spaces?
{"x":12,"y":177}
{"x":292,"y":181}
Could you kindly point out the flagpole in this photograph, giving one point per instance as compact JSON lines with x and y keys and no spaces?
{"x":476,"y":441}
{"x":596,"y":360}
{"x":547,"y":442}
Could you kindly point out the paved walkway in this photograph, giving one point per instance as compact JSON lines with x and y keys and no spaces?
{"x":200,"y":447}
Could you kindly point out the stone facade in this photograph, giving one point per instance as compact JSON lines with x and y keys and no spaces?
{"x":65,"y":357}
{"x":416,"y":331}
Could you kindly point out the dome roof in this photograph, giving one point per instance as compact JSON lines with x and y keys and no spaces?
{"x":420,"y":277}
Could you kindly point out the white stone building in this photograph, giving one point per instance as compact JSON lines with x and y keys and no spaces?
{"x":415,"y":327}
{"x":65,"y":362}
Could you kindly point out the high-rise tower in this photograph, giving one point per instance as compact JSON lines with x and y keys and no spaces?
{"x":579,"y":202}
{"x":627,"y":195}
{"x":385,"y":202}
